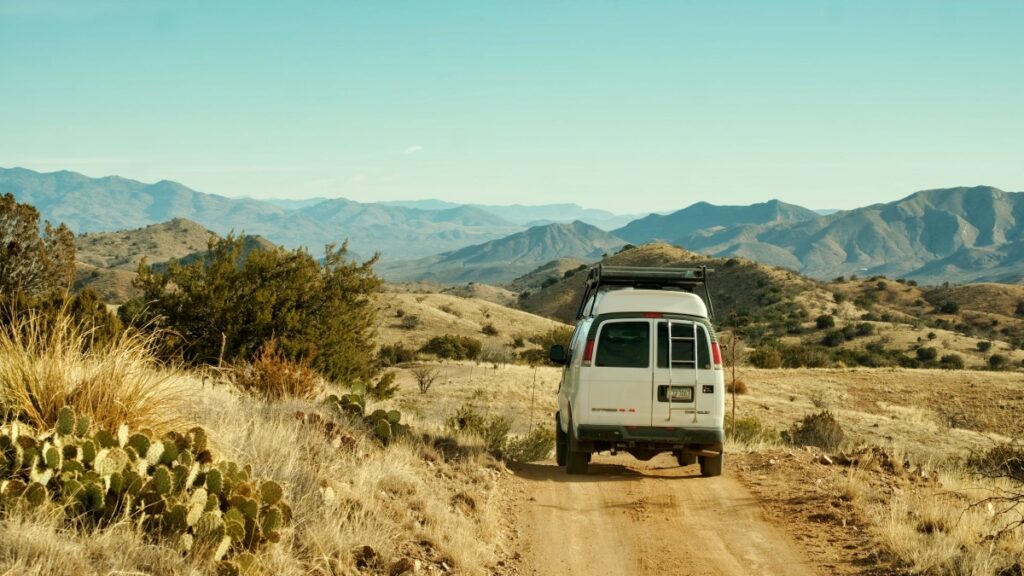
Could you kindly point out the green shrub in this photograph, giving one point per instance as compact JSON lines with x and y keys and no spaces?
{"x":951,"y":362}
{"x":453,"y":347}
{"x":998,"y":362}
{"x":493,"y":430}
{"x":410,"y":322}
{"x":949,"y":307}
{"x":825,"y":321}
{"x":749,"y":430}
{"x":865,"y":329}
{"x":984,"y":346}
{"x":236,"y":298}
{"x":802,"y":356}
{"x":395,"y":354}
{"x":821,"y":430}
{"x":833,"y":338}
{"x":33,"y":264}
{"x":927,"y":354}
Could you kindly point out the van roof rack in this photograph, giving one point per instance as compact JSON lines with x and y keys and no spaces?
{"x":686,"y":279}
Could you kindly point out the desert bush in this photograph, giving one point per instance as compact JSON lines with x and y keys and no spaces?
{"x":558,"y":335}
{"x":951,"y":362}
{"x":409,"y":322}
{"x":833,"y":338}
{"x":493,"y":430}
{"x":765,"y":357}
{"x":425,"y":376}
{"x":272,"y":376}
{"x":537,"y":445}
{"x":453,"y":347}
{"x":33,"y":264}
{"x":984,"y":346}
{"x":550,"y":281}
{"x":232,"y":301}
{"x":949,"y":307}
{"x":47,"y":363}
{"x":1002,"y":460}
{"x":865,"y":329}
{"x":739,"y":387}
{"x":395,"y":354}
{"x":448,"y":309}
{"x":497,"y":353}
{"x":495,"y":433}
{"x":749,"y":430}
{"x":804,"y":356}
{"x":383,"y":387}
{"x":518,"y":342}
{"x":821,"y":430}
{"x":998,"y":362}
{"x":926,"y":354}
{"x":825,"y":321}
{"x":489,"y":329}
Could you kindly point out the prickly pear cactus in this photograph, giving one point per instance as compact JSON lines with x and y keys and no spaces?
{"x":172,"y":485}
{"x":384,"y":425}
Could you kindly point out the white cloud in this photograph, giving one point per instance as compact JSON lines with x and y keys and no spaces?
{"x":413,"y":149}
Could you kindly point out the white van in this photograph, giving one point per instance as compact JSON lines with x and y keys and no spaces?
{"x":620,"y":391}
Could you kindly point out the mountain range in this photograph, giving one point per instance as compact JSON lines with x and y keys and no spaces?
{"x":964,"y":234}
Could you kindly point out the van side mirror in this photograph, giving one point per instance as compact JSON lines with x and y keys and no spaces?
{"x":557,"y":355}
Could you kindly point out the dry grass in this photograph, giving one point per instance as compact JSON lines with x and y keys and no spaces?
{"x":416,"y":500}
{"x":937,"y":530}
{"x":48,"y":363}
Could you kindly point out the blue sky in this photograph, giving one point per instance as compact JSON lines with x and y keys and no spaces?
{"x":629,"y":106}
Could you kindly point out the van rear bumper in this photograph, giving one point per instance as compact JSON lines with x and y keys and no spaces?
{"x":651,"y":435}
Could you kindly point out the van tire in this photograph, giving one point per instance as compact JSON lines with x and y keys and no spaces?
{"x":561,"y":441}
{"x":576,"y":461}
{"x":685,"y":458}
{"x":711,"y":465}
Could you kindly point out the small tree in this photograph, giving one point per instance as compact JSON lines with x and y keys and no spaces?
{"x":425,"y":376}
{"x":230,"y":303}
{"x":34,"y":264}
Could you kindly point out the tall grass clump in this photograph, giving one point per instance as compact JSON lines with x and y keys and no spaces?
{"x":273,"y":376}
{"x":48,"y":361}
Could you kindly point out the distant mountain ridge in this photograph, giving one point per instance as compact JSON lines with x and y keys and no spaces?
{"x":705,"y":216}
{"x":114,"y":203}
{"x":964,"y":234}
{"x":505,"y":259}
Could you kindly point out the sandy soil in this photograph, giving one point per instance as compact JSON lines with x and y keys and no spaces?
{"x":637,"y":518}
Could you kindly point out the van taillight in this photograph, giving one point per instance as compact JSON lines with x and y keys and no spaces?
{"x":588,"y":353}
{"x":716,"y":355}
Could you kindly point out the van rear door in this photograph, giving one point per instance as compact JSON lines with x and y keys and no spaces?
{"x":619,"y":378}
{"x":684,"y":392}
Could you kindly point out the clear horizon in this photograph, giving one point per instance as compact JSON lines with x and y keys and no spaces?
{"x":638,"y":108}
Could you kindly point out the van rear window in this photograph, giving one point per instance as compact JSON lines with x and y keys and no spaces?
{"x":624,"y":345}
{"x":682,"y":346}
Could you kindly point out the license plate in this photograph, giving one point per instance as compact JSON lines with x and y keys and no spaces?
{"x":681,"y":393}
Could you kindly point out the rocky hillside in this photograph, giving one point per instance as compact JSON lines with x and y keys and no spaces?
{"x":795,"y":321}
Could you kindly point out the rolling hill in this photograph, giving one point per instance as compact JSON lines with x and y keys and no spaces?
{"x":505,"y":259}
{"x":107,"y":262}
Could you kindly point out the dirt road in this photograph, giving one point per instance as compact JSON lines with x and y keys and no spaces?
{"x":635,"y":518}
